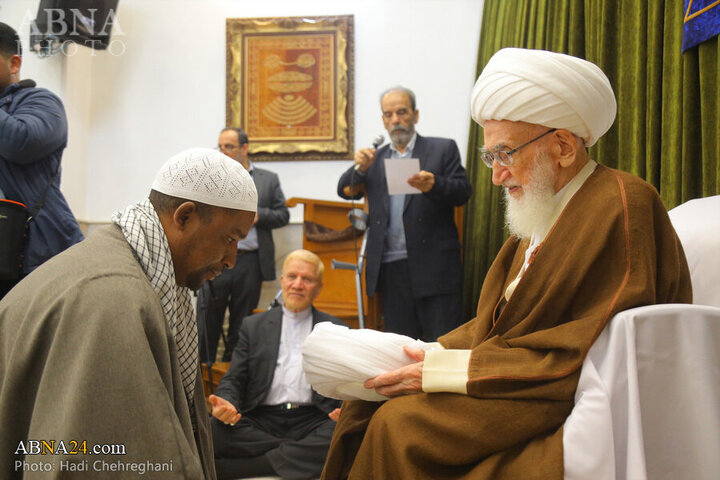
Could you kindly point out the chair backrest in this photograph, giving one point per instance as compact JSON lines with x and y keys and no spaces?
{"x":697,"y":223}
{"x":645,"y":406}
{"x":646,"y":403}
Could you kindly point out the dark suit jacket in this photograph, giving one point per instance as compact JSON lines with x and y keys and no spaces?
{"x":433,"y":246}
{"x":247,"y":382}
{"x":272,"y":213}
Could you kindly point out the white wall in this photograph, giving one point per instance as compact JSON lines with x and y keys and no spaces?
{"x":161,"y":88}
{"x":46,"y":71}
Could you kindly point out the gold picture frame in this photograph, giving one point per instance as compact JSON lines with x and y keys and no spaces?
{"x":290,"y":86}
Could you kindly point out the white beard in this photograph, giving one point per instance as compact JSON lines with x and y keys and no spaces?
{"x":534,"y":209}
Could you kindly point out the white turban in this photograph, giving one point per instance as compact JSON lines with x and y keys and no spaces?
{"x":337,"y":360}
{"x":545,"y":88}
{"x":207,"y":176}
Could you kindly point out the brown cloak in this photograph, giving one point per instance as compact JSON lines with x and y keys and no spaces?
{"x":612,"y":248}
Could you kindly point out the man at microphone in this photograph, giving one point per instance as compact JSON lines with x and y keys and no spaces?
{"x":413,"y":249}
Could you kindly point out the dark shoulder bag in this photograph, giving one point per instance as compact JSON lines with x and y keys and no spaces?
{"x":15,"y":221}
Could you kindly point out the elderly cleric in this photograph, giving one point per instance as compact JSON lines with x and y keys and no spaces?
{"x":587,"y":242}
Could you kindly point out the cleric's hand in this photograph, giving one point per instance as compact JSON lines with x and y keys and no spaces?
{"x":403,"y":381}
{"x":224,"y":410}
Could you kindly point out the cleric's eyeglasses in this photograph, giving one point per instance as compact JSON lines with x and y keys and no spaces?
{"x":503,"y":157}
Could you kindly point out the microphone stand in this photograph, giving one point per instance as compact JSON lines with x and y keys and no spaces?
{"x":357,"y":267}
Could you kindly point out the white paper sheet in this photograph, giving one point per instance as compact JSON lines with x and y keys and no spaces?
{"x":397,"y":172}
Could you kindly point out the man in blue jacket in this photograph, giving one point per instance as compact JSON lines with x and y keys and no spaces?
{"x":413,"y":249}
{"x":33,"y":134}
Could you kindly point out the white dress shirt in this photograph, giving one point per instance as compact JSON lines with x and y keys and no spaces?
{"x":289,"y":383}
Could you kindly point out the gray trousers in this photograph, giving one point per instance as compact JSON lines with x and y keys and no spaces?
{"x":424,"y":318}
{"x":294,"y":442}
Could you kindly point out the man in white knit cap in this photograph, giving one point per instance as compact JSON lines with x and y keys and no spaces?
{"x":99,"y":345}
{"x":587,"y":242}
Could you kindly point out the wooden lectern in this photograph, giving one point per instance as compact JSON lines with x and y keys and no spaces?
{"x":338,"y":296}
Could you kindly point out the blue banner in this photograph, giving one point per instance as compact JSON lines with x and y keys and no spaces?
{"x":702,"y":22}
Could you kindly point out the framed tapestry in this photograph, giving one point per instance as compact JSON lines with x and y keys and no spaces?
{"x":290,"y":86}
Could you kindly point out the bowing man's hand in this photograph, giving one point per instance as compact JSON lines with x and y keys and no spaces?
{"x":403,"y":381}
{"x":335,"y":414}
{"x":224,"y":410}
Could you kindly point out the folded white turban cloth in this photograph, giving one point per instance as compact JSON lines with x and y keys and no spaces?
{"x":338,"y":360}
{"x":207,"y":176}
{"x":545,"y":88}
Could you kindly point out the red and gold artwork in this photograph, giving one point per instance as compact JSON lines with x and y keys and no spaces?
{"x":289,"y":86}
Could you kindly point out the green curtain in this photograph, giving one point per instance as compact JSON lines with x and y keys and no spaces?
{"x":668,"y":122}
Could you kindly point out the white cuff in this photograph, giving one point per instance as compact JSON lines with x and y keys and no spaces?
{"x":446,"y":371}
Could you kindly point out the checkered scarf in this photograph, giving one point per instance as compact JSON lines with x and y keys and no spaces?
{"x":143,"y":231}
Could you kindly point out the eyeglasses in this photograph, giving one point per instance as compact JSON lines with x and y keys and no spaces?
{"x":503,"y":157}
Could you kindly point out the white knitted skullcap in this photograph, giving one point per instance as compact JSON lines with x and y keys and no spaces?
{"x":545,"y":88}
{"x":207,"y":176}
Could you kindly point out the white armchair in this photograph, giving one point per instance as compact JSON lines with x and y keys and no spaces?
{"x":648,"y":399}
{"x":697,"y":223}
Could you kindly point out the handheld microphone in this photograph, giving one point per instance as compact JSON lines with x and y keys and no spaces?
{"x":378,"y":141}
{"x":375,"y":144}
